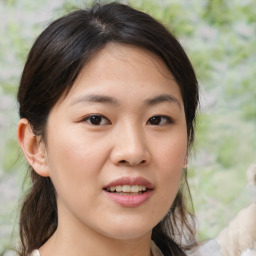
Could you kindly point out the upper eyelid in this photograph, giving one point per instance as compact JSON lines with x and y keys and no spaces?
{"x":169,"y":118}
{"x":164,"y":116}
{"x":103,"y":116}
{"x":96,"y":114}
{"x":90,"y":115}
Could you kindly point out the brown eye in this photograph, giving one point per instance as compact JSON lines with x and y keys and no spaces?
{"x":160,"y":120}
{"x":97,"y":120}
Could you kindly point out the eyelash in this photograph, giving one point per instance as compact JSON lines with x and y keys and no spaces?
{"x":96,"y":119}
{"x":168,"y":120}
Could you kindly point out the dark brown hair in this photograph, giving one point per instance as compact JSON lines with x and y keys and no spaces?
{"x":53,"y":64}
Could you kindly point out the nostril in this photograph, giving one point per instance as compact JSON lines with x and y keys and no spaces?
{"x":132,"y":162}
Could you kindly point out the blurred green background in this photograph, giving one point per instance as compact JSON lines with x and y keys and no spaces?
{"x":220,"y":38}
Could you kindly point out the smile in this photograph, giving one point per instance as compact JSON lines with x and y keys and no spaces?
{"x":129,"y":192}
{"x":127,"y":189}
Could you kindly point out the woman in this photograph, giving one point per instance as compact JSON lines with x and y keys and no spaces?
{"x":107,"y":103}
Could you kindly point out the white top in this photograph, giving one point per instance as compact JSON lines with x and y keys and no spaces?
{"x":154,"y":249}
{"x":35,"y":253}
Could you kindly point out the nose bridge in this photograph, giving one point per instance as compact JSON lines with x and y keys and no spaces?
{"x":130,"y":144}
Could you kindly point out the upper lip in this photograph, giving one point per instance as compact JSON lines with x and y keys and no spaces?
{"x":130,"y":181}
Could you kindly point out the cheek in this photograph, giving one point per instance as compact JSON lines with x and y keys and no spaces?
{"x":168,"y":188}
{"x":74,"y":169}
{"x":172,"y":153}
{"x":75,"y":165}
{"x":74,"y":150}
{"x":170,"y":162}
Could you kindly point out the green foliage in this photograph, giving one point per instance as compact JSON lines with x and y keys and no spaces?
{"x":9,"y":2}
{"x":170,"y":15}
{"x":9,"y":88}
{"x":216,"y":11}
{"x":11,"y":155}
{"x":228,"y":152}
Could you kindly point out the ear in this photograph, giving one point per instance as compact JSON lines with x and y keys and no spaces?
{"x":33,"y":148}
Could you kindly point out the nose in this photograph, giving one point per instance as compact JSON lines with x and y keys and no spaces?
{"x":130,"y":147}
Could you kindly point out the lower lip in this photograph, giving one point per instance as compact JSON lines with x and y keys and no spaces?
{"x":129,"y":200}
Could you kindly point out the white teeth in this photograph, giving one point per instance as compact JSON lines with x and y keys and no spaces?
{"x":128,"y":188}
{"x":135,"y":188}
{"x":118,"y":189}
{"x":112,"y":189}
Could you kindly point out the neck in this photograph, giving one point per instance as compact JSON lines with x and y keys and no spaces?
{"x":78,"y":246}
{"x":80,"y":240}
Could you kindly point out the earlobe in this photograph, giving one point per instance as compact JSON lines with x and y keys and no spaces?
{"x":32,"y":147}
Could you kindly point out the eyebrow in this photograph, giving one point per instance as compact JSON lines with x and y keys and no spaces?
{"x":163,"y":98}
{"x":110,"y":100}
{"x":95,"y":98}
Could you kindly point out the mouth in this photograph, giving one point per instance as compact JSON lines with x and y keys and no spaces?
{"x":127,"y":190}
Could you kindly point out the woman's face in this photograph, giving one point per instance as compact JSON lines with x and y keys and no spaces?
{"x":116,"y":144}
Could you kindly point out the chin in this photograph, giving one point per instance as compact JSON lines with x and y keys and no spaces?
{"x":128,"y":232}
{"x":129,"y":235}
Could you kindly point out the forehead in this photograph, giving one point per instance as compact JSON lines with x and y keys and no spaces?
{"x":127,"y":56}
{"x":124,"y":68}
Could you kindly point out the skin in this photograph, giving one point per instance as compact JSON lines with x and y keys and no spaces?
{"x":81,"y":158}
